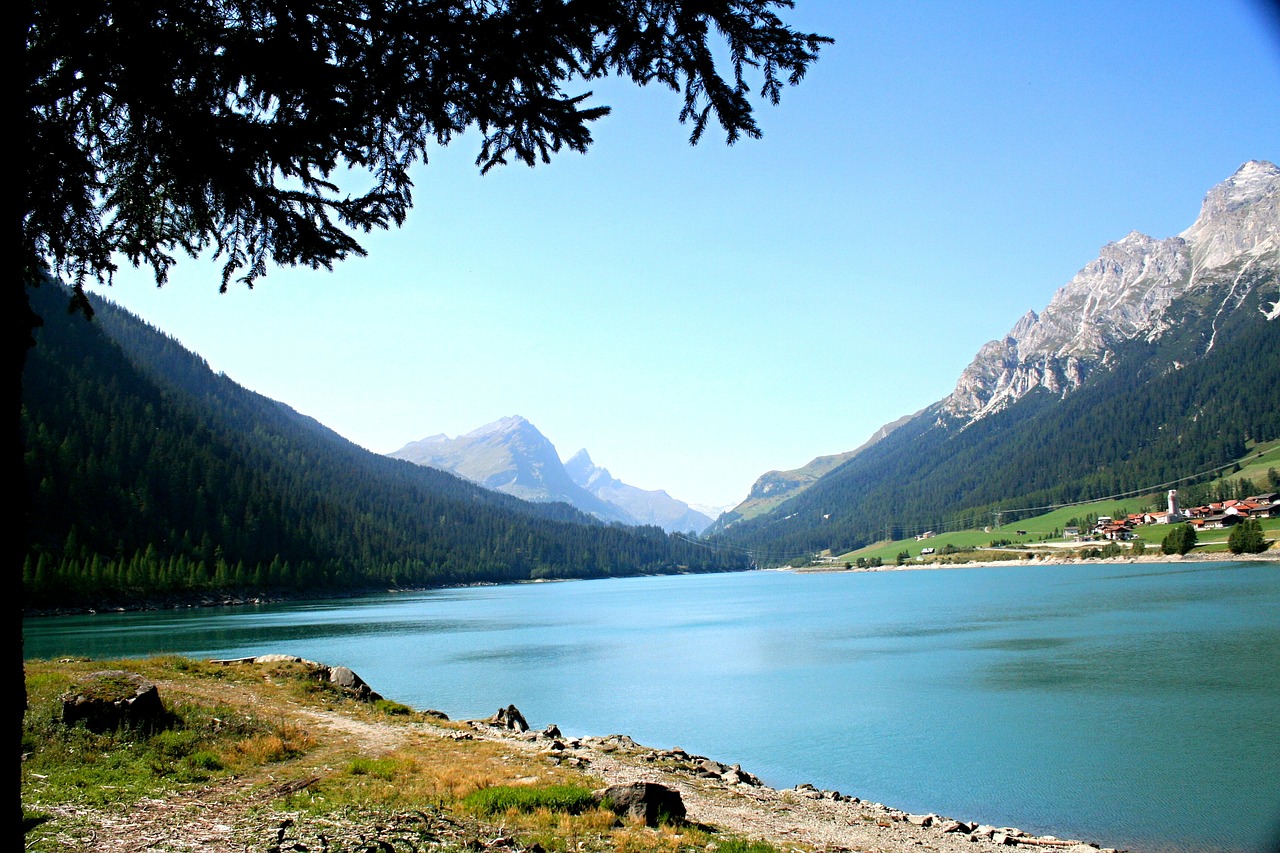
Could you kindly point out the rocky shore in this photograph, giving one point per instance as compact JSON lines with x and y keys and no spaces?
{"x":732,"y":799}
{"x":351,"y":730}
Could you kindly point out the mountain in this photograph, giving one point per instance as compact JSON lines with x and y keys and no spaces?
{"x":646,"y":507}
{"x":150,"y":474}
{"x":774,"y":487}
{"x":1126,"y":294}
{"x":511,"y":456}
{"x":1158,"y":360}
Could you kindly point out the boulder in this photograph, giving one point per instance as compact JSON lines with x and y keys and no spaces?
{"x":510,"y":718}
{"x":276,"y":658}
{"x":649,"y":801}
{"x":735,"y":775}
{"x":709,"y":768}
{"x":352,"y":683}
{"x":112,"y":698}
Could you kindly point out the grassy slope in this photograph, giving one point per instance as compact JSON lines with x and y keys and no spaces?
{"x":1253,"y":466}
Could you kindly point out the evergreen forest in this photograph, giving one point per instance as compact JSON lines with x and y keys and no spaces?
{"x":150,"y":475}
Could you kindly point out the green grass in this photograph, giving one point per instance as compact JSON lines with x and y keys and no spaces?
{"x":738,"y":845}
{"x":1255,"y":469}
{"x":391,"y":707}
{"x":1209,"y":541}
{"x":499,"y":799}
{"x":1037,"y":528}
{"x":379,"y":768}
{"x":194,"y":744}
{"x":1253,"y":466}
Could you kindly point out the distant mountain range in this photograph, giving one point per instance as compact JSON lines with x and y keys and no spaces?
{"x":1159,"y":359}
{"x":643,"y":506}
{"x":511,"y":456}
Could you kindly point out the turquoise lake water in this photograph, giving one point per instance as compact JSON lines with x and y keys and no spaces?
{"x":1132,"y":705}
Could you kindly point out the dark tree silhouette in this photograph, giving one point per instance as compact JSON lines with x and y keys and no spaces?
{"x":156,"y":128}
{"x":164,"y":127}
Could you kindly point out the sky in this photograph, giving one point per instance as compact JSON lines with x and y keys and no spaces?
{"x":697,"y":316}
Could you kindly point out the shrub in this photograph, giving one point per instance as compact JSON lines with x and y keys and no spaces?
{"x":1246,"y":538}
{"x":389,"y":706}
{"x":204,"y":760}
{"x":1179,"y":540}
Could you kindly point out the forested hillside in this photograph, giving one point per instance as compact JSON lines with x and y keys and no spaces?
{"x":1156,"y":414}
{"x":150,"y":474}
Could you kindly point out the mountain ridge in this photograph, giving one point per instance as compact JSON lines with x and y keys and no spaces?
{"x":512,"y":456}
{"x":1124,"y":294}
{"x":646,"y":506}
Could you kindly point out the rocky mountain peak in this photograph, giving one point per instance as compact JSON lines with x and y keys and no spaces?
{"x":646,"y":506}
{"x":510,"y":424}
{"x":1124,"y":294}
{"x":586,"y":473}
{"x":1239,"y":217}
{"x":509,"y":455}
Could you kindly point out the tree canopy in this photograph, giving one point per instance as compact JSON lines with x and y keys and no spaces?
{"x":157,"y":128}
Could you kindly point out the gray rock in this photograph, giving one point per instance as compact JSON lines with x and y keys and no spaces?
{"x":649,"y":801}
{"x":714,"y":768}
{"x":352,"y":683}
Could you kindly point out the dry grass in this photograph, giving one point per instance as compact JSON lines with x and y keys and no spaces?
{"x":288,"y":741}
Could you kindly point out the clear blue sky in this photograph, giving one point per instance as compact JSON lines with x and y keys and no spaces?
{"x":697,"y":316}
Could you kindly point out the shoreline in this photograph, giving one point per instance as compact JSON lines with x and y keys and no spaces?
{"x":731,"y":798}
{"x":244,"y":598}
{"x":1269,"y":556}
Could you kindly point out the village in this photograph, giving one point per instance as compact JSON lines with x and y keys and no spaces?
{"x":1213,"y":516}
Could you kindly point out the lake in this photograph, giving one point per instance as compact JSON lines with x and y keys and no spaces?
{"x":1136,"y":705}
